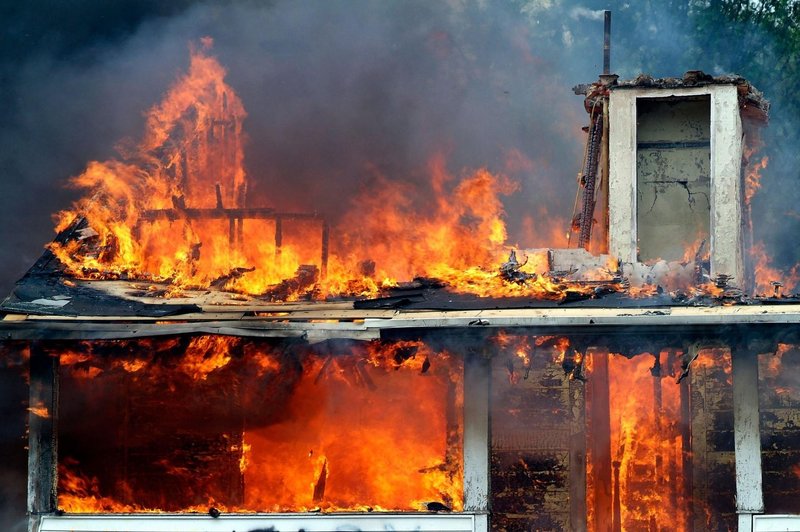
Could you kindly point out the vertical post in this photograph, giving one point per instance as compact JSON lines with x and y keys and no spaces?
{"x":658,"y":405}
{"x":231,"y":231}
{"x":326,"y":233}
{"x":476,"y":435}
{"x":726,"y":185}
{"x":622,"y":239}
{"x":577,"y":455}
{"x":603,"y":182}
{"x":686,"y":452}
{"x":601,"y":441}
{"x":278,"y":235}
{"x":218,"y":191}
{"x":616,"y":515}
{"x":42,"y":441}
{"x":747,"y":436}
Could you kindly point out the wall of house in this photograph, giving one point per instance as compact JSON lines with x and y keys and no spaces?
{"x":779,"y":402}
{"x":535,"y":411}
{"x":713,"y":482}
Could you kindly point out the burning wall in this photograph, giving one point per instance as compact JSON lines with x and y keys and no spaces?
{"x":186,"y":178}
{"x":187,"y":424}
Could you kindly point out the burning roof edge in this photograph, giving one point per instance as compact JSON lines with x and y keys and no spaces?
{"x":750,"y":98}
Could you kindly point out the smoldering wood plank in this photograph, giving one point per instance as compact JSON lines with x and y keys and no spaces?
{"x":601,"y":440}
{"x":55,"y":330}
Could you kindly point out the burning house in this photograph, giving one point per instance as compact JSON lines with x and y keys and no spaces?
{"x":198,"y":362}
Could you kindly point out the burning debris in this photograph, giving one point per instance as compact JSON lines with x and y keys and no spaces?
{"x":186,"y":178}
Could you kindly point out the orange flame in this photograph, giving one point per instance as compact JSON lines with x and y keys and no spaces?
{"x":39,"y":410}
{"x":335,"y":431}
{"x":645,"y":443}
{"x":191,"y":157}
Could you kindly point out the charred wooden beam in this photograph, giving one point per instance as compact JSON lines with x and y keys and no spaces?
{"x":319,"y":485}
{"x":589,"y":176}
{"x":42,"y":437}
{"x":601,"y":441}
{"x":252,"y":213}
{"x":616,"y":512}
{"x":278,"y":235}
{"x":326,"y":234}
{"x":577,"y":455}
{"x":686,"y":452}
{"x":218,"y":190}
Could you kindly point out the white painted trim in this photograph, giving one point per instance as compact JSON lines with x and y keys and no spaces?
{"x":775,"y":523}
{"x":476,"y":434}
{"x":622,"y":175}
{"x":481,"y":522}
{"x":726,"y":195}
{"x":746,"y":432}
{"x":582,"y":317}
{"x":726,"y":191}
{"x":744,"y":522}
{"x":281,"y":523}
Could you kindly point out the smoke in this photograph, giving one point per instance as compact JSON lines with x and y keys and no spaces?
{"x":578,"y":13}
{"x":336,"y":94}
{"x":339,"y":92}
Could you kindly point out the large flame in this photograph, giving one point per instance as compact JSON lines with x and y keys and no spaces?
{"x":239,"y":425}
{"x":647,"y":426}
{"x":769,"y":280}
{"x":174,"y":208}
{"x":190,"y":157}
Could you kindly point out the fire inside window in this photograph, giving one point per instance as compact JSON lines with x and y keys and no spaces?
{"x":245,"y":426}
